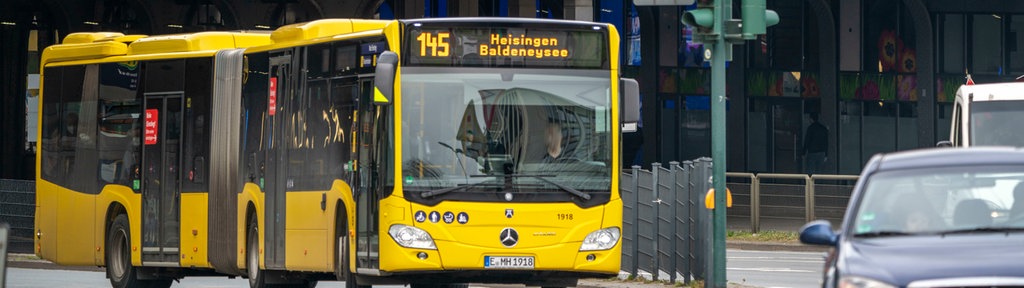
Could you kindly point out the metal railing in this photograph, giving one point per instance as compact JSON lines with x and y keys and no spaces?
{"x":666,"y":229}
{"x":784,"y":198}
{"x":18,"y":208}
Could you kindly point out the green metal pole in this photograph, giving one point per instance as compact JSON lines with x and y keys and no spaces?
{"x":723,"y":12}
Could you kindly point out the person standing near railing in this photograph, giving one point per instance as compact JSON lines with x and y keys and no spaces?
{"x":815,"y":148}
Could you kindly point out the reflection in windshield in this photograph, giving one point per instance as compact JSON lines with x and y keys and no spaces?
{"x":460,"y":128}
{"x":997,"y":123}
{"x":925,"y":201}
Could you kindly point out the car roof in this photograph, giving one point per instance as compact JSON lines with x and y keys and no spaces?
{"x":945,"y":157}
{"x":993,"y":92}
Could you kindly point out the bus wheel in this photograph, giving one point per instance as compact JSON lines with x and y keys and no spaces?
{"x":119,"y":258}
{"x":252,"y":256}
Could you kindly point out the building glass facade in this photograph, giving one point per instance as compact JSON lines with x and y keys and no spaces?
{"x":879,"y":74}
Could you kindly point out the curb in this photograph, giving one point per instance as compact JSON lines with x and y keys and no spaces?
{"x":771,"y":246}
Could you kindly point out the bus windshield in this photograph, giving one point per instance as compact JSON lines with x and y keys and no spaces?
{"x":539,"y":132}
{"x":997,"y":123}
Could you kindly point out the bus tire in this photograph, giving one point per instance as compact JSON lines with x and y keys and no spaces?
{"x":118,"y":255}
{"x":252,"y":256}
{"x":350,"y":278}
{"x":339,"y":242}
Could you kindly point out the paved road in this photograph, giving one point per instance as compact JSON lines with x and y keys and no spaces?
{"x":45,"y":278}
{"x":775,"y":268}
{"x":745,"y":267}
{"x":92,"y":278}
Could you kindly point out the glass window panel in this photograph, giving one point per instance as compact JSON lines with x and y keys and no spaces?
{"x":788,"y":39}
{"x":695,"y":130}
{"x":1015,"y":44}
{"x":849,"y":138}
{"x":986,"y":41}
{"x":757,"y":138}
{"x":908,"y":122}
{"x":879,"y":134}
{"x":881,"y":42}
{"x":943,"y":113}
{"x":952,"y":52}
{"x":52,"y":130}
{"x":197,"y":123}
{"x":120,"y":108}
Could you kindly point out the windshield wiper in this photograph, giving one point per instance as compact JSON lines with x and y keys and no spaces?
{"x":508,"y":177}
{"x":983,"y":230}
{"x":436,"y":192}
{"x":881,"y":234}
{"x":543,"y":177}
{"x":567,"y":189}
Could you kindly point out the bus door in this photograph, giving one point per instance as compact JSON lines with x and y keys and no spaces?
{"x":367,"y":181}
{"x":161,"y":178}
{"x":274,"y":164}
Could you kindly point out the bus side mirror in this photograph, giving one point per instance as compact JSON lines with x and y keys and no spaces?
{"x":630,"y":104}
{"x":384,"y":78}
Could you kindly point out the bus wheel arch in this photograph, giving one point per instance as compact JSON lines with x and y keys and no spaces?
{"x":113,"y":210}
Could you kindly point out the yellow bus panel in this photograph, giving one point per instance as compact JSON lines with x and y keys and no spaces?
{"x":89,"y":37}
{"x":324,"y":28}
{"x":305,"y":250}
{"x":196,"y":42}
{"x":552,"y":240}
{"x":194,"y":227}
{"x":306,"y":239}
{"x":69,"y":52}
{"x":77,"y":226}
{"x":46,"y":219}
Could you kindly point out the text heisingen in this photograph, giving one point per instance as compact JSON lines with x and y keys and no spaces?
{"x":523,"y":46}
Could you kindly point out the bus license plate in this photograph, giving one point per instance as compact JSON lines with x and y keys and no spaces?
{"x":524,"y":262}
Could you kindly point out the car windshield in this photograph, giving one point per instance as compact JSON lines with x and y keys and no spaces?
{"x":942,"y":200}
{"x":538,"y":131}
{"x":997,"y":123}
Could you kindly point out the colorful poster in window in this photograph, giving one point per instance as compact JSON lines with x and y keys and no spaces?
{"x":633,"y":38}
{"x":907,"y":88}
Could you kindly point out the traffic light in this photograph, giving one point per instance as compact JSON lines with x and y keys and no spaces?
{"x":702,"y":20}
{"x":756,"y":18}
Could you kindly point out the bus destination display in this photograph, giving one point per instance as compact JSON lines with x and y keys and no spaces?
{"x":506,"y":47}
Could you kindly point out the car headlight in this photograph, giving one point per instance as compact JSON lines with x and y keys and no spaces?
{"x":603,"y":239}
{"x":861,"y":282}
{"x":411,"y":237}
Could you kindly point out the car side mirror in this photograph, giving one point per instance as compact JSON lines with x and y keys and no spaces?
{"x":944,"y":144}
{"x":818,"y":232}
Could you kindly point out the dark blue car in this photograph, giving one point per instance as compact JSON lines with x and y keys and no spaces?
{"x":930,"y":218}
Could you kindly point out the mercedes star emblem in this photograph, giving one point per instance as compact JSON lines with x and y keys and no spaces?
{"x":509,"y":237}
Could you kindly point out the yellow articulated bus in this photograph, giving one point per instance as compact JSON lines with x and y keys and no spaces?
{"x":431,"y":152}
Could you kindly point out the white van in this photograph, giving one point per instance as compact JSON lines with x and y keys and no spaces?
{"x":988,"y":115}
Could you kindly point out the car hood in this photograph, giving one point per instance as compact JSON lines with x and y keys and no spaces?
{"x":904,"y":259}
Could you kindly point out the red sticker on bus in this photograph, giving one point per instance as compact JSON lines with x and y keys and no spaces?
{"x":272,"y":102}
{"x":151,"y":125}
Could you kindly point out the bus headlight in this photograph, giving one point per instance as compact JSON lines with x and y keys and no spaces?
{"x":603,"y":239}
{"x":411,"y":237}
